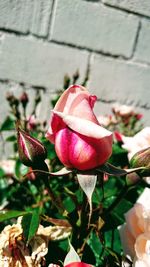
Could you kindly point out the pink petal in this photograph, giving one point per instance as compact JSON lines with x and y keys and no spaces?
{"x":84,"y":127}
{"x":81,"y":152}
{"x":77,"y":101}
{"x":65,"y":101}
{"x":56,"y":124}
{"x":82,"y":107}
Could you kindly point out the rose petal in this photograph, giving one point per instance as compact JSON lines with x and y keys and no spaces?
{"x":132,"y":218}
{"x":65,"y":101}
{"x":127,"y":240}
{"x":82,"y":107}
{"x":81,"y":152}
{"x":138,"y":142}
{"x":144,"y":199}
{"x":84,"y":127}
{"x":142,"y":247}
{"x":139,"y":263}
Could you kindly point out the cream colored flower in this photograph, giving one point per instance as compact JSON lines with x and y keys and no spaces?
{"x":135,"y":233}
{"x":15,"y":253}
{"x":106,"y":120}
{"x":8,"y":166}
{"x":53,"y":265}
{"x":138,"y":142}
{"x":123,"y":110}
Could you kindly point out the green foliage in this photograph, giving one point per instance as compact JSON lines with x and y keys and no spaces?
{"x":30,"y":224}
{"x":7,"y":215}
{"x":43,"y":198}
{"x":8,"y":124}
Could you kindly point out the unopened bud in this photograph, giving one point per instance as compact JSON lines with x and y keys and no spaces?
{"x":24,"y":99}
{"x":132,"y":178}
{"x":75,"y":77}
{"x":142,"y":159}
{"x":66,"y":81}
{"x":31,"y":151}
{"x":13,"y":101}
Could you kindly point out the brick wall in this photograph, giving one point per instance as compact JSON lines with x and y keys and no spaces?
{"x":42,"y":40}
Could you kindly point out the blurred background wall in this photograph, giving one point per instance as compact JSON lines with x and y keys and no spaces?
{"x":42,"y":40}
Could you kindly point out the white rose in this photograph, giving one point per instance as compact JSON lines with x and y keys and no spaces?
{"x":135,"y":233}
{"x":138,"y":142}
{"x":14,"y":252}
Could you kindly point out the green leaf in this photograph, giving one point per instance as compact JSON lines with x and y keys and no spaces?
{"x":122,"y":207}
{"x":111,"y":170}
{"x":69,"y":204}
{"x":11,"y":138}
{"x":2,"y":173}
{"x":112,"y":240}
{"x":20,"y":169}
{"x":119,"y":156}
{"x":118,"y":150}
{"x":6,"y":215}
{"x":96,"y":246}
{"x":8,"y":124}
{"x":30,"y":224}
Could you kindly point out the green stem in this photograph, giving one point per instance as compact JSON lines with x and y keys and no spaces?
{"x":45,"y":177}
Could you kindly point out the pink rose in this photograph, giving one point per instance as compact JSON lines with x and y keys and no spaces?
{"x":80,"y":141}
{"x":135,"y":233}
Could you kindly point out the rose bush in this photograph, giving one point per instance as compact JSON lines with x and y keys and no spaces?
{"x":135,"y":233}
{"x":80,"y":141}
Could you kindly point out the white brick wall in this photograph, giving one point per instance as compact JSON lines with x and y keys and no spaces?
{"x":110,"y":79}
{"x":41,"y":41}
{"x":39,"y":63}
{"x":142,"y":52}
{"x":136,"y":6}
{"x":95,"y":27}
{"x":16,"y":15}
{"x":42,"y":11}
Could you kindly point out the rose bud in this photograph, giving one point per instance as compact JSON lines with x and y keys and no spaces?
{"x":31,"y":151}
{"x":142,"y":159}
{"x":80,"y":141}
{"x":24,"y":99}
{"x":132,"y":178}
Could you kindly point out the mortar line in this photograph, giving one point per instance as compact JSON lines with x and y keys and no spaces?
{"x":136,"y":40}
{"x":109,"y":55}
{"x":51,"y":23}
{"x":125,"y":10}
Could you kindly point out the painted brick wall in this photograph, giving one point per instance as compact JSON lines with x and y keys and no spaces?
{"x":42,"y":40}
